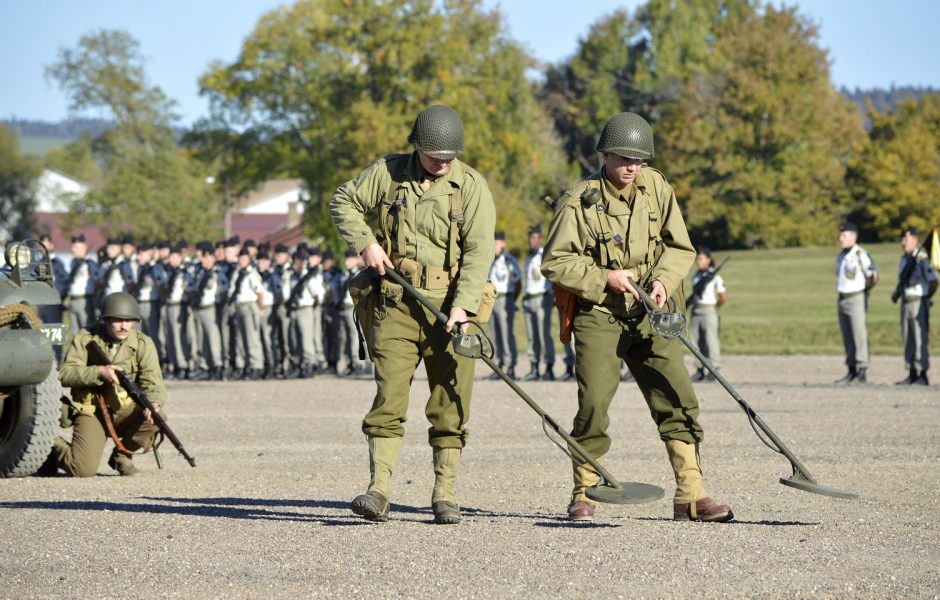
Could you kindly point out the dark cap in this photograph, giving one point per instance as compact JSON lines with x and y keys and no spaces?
{"x":113,"y":241}
{"x":78,"y":238}
{"x":537,"y":228}
{"x":250,"y":243}
{"x":299,"y":254}
{"x":205,"y":246}
{"x":183,"y":242}
{"x":263,"y":255}
{"x":244,"y":251}
{"x":163,"y":244}
{"x":45,"y":237}
{"x":910,"y":230}
{"x":281,"y":248}
{"x":177,"y":249}
{"x":500,"y":235}
{"x":704,"y":251}
{"x":146,"y":246}
{"x":315,"y":251}
{"x":127,"y":239}
{"x":350,"y":253}
{"x":328,"y":254}
{"x":220,"y":244}
{"x":232,"y":241}
{"x":848,"y":226}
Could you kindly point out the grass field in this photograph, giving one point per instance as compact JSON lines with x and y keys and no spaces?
{"x":784,"y":302}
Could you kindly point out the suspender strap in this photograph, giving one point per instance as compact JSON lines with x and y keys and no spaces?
{"x":453,"y":234}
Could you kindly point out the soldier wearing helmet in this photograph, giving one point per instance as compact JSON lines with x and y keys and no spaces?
{"x":100,"y":408}
{"x":620,"y":228}
{"x":436,"y":223}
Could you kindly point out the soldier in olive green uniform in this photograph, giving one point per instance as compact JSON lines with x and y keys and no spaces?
{"x":620,"y":228}
{"x":436,"y":219}
{"x":130,"y":351}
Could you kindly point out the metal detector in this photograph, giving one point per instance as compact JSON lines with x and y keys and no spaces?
{"x":672,"y":325}
{"x":478,"y":345}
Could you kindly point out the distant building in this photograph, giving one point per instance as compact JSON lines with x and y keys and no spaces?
{"x":55,"y":193}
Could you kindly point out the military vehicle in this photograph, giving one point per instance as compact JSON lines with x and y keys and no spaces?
{"x":29,"y":377}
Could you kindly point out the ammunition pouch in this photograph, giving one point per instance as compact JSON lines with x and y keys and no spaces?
{"x":67,"y":413}
{"x":487,"y":302}
{"x":425,"y":277}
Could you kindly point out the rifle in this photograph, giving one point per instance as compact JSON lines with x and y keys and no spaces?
{"x":905,"y":275}
{"x":97,"y":356}
{"x":699,"y":287}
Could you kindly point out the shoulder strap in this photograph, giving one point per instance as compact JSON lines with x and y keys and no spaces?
{"x":390,"y":211}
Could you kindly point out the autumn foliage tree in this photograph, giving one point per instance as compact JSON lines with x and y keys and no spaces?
{"x":896,"y":179}
{"x":323,"y":87}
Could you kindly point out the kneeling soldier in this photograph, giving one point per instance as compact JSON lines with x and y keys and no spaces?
{"x":618,"y":229}
{"x":102,"y":407}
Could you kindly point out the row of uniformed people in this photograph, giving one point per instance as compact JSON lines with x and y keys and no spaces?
{"x":233,"y":310}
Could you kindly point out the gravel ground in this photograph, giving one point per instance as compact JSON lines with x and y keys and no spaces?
{"x":265,"y":512}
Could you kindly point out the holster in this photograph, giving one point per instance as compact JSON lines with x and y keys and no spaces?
{"x":567,"y":303}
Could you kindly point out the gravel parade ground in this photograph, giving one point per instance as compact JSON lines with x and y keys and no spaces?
{"x":265,"y":513}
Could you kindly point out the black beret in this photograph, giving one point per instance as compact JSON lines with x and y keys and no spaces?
{"x":500,"y":236}
{"x":113,"y":241}
{"x":705,"y":251}
{"x":163,"y":244}
{"x":78,"y":238}
{"x":244,"y":252}
{"x":281,"y":248}
{"x":537,"y":228}
{"x":350,"y":253}
{"x":233,"y":241}
{"x":848,"y":226}
{"x":250,"y":243}
{"x":315,"y":251}
{"x":328,"y":254}
{"x":146,"y":246}
{"x":178,"y":249}
{"x":127,"y":239}
{"x":262,"y":255}
{"x":205,"y":246}
{"x":220,"y":244}
{"x":910,"y":230}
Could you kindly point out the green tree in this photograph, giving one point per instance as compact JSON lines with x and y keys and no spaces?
{"x":323,"y":87}
{"x":896,"y":179}
{"x":597,"y":82}
{"x":148,"y":186}
{"x":17,"y":180}
{"x":76,"y":159}
{"x":758,"y":143}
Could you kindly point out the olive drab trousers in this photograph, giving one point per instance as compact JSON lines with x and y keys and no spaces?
{"x":406,"y":335}
{"x":82,"y":456}
{"x":601,"y":341}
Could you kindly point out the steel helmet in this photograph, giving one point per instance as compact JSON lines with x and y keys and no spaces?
{"x":628,"y":135}
{"x":438,"y":132}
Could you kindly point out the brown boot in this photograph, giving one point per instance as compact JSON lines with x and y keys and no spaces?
{"x":372,"y":506}
{"x":123,"y":465}
{"x":706,"y":510}
{"x":581,"y":511}
{"x":692,"y":502}
{"x":581,"y":508}
{"x":444,"y":495}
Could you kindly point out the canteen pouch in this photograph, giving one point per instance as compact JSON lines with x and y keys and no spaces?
{"x":487,"y":302}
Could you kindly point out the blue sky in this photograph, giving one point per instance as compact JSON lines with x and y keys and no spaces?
{"x":871,"y":43}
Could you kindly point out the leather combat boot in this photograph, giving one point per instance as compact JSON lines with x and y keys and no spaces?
{"x":383,"y":456}
{"x":921,"y":379}
{"x":123,"y":465}
{"x":444,"y":496}
{"x":849,"y":377}
{"x":581,"y":508}
{"x":549,"y":374}
{"x":911,"y":378}
{"x":699,"y":376}
{"x":533,"y":374}
{"x":691,"y":501}
{"x":569,"y":374}
{"x":861,"y":376}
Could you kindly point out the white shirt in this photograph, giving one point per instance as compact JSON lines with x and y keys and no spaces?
{"x":504,"y":273}
{"x":249,"y":288}
{"x":175,"y":292}
{"x":712,"y":290}
{"x":853,"y":268}
{"x":79,"y":284}
{"x":535,"y":282}
{"x":314,"y":292}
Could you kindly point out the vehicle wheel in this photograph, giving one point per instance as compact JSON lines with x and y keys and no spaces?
{"x":29,"y":421}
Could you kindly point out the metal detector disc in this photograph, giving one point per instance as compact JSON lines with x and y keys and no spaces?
{"x":627,"y":493}
{"x":817,"y":488}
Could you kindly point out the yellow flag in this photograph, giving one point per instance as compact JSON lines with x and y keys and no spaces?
{"x":935,"y":250}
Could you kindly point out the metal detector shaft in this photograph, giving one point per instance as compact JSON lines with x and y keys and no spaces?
{"x":677,"y":331}
{"x":573,"y":445}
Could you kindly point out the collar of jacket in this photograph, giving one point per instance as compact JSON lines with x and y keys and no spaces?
{"x":612,"y":197}
{"x":414,"y":171}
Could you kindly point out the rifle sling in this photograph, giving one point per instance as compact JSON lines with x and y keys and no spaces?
{"x":109,"y":424}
